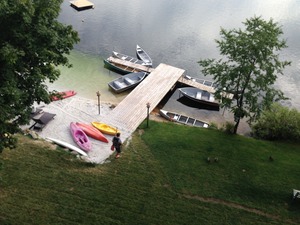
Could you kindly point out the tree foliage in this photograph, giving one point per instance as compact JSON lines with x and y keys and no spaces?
{"x":249,"y":67}
{"x":278,"y":123}
{"x":32,"y":44}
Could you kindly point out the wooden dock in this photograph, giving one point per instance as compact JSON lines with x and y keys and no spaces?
{"x":82,"y":4}
{"x":132,"y":111}
{"x":209,"y":88}
{"x":123,"y":64}
{"x":193,"y":83}
{"x":190,"y":81}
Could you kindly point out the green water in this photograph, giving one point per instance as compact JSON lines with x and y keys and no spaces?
{"x":86,"y":77}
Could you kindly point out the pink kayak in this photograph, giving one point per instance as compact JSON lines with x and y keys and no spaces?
{"x":80,"y":137}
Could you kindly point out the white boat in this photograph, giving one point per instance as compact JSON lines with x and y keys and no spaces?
{"x":175,"y":117}
{"x":141,"y":54}
{"x":67,"y":145}
{"x":127,"y":81}
{"x":199,"y":95}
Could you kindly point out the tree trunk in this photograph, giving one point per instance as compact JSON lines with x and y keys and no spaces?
{"x":236,"y":126}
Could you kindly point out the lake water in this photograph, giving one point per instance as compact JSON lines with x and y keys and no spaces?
{"x":175,"y":32}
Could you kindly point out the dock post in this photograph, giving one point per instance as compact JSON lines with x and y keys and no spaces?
{"x":148,"y":106}
{"x":98,"y":95}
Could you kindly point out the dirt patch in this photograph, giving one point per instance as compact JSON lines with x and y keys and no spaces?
{"x":235,"y":205}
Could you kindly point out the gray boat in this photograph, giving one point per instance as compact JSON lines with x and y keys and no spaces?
{"x":142,"y":55}
{"x":199,"y":95}
{"x":175,"y":117}
{"x":127,"y":81}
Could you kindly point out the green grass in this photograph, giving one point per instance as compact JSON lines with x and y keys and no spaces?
{"x":163,"y":177}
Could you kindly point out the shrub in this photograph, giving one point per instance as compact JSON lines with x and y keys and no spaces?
{"x":213,"y":126}
{"x":228,"y":127}
{"x":278,"y":123}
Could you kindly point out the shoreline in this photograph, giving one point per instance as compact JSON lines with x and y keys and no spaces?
{"x":80,"y":109}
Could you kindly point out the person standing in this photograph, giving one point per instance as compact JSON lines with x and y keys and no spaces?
{"x":117,"y":144}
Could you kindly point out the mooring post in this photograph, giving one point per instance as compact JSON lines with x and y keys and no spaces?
{"x":148,"y":107}
{"x":98,"y":95}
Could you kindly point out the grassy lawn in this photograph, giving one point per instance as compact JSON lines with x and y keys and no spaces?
{"x":163,"y":177}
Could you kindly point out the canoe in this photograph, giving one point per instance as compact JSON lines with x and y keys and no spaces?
{"x":175,"y":117}
{"x":67,"y":145}
{"x":80,"y":138}
{"x":119,"y":68}
{"x":63,"y":95}
{"x":92,"y":132}
{"x":128,"y":58}
{"x":143,"y":55}
{"x":127,"y":81}
{"x":106,"y":129}
{"x":199,"y":95}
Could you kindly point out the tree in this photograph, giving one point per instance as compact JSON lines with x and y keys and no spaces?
{"x":32,"y":44}
{"x":249,"y":68}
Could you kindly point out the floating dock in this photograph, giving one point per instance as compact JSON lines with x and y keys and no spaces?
{"x":82,"y":4}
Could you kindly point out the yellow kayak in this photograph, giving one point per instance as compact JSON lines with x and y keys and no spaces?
{"x":106,"y":129}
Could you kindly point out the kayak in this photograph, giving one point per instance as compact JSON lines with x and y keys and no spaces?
{"x":106,"y":129}
{"x":92,"y":132}
{"x":80,"y":137}
{"x":63,"y":94}
{"x":67,"y":145}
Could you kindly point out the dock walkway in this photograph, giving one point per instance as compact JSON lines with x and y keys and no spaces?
{"x":127,"y":64}
{"x":132,"y":111}
{"x":82,"y":4}
{"x":205,"y":85}
{"x":193,"y":83}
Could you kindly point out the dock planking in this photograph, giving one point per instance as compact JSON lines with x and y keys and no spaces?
{"x":82,"y":4}
{"x":132,"y":111}
{"x":127,"y":64}
{"x":210,"y":89}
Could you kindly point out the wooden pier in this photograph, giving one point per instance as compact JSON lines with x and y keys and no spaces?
{"x":190,"y":81}
{"x":132,"y":111}
{"x":193,"y":83}
{"x":207,"y":87}
{"x":127,"y":64}
{"x":82,"y":4}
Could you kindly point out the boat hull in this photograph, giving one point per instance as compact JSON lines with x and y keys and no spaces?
{"x":80,"y":138}
{"x":175,"y":117}
{"x":143,"y":55}
{"x":128,"y":58}
{"x":127,"y":81}
{"x":106,"y":129}
{"x":199,"y":95}
{"x":92,"y":132}
{"x":63,"y":95}
{"x":120,"y":68}
{"x":67,"y":145}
